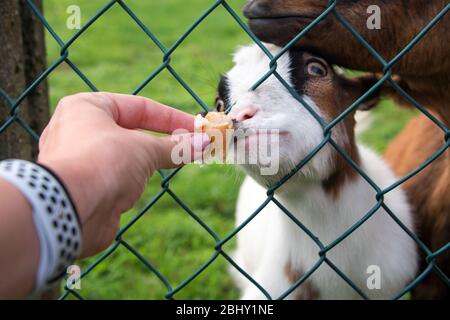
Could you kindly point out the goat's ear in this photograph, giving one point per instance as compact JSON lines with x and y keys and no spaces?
{"x":358,"y":86}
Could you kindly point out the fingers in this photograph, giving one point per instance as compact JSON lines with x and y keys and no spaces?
{"x":128,"y":111}
{"x":134,"y":112}
{"x":176,"y":150}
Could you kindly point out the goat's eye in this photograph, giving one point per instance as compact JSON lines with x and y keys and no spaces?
{"x":220,"y":105}
{"x":316,"y":69}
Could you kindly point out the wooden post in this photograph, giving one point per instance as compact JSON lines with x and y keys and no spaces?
{"x":22,"y":60}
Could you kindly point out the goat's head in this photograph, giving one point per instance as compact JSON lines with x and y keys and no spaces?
{"x":279,"y":21}
{"x":271,"y":106}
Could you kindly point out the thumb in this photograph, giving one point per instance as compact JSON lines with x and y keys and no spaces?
{"x":178,"y":149}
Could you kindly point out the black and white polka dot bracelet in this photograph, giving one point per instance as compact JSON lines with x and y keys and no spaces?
{"x":54,"y":215}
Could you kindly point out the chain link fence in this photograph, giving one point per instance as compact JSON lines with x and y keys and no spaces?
{"x":166,"y":54}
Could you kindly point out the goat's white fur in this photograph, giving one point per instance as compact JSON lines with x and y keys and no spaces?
{"x":272,"y":241}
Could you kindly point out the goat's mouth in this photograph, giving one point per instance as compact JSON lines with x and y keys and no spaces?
{"x":278,"y":30}
{"x":259,"y":140}
{"x":258,"y":150}
{"x":259,"y":133}
{"x":282,"y":18}
{"x":278,"y":22}
{"x":242,"y":130}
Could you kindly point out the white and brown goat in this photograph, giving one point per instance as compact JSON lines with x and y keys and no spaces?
{"x":326,"y":195}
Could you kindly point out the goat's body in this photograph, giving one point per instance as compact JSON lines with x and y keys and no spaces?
{"x":276,"y":252}
{"x":428,"y":193}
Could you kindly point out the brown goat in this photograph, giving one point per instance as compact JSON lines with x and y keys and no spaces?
{"x":425,"y":75}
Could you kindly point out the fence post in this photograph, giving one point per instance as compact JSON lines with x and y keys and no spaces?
{"x":22,"y":60}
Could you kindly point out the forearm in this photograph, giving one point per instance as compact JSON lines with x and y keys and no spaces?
{"x":19,"y":244}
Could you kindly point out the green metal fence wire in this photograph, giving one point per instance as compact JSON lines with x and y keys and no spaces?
{"x":322,"y":249}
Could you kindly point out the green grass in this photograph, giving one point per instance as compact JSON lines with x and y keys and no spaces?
{"x":117,"y":56}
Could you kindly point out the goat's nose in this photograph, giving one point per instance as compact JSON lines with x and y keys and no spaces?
{"x":243,"y":114}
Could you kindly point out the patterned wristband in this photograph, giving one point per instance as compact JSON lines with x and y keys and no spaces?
{"x":54,"y":215}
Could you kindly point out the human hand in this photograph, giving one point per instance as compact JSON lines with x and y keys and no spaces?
{"x":94,"y":144}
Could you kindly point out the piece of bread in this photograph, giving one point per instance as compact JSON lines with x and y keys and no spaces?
{"x":214,"y":121}
{"x":219,"y":127}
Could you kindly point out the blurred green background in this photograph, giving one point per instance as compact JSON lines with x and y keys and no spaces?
{"x":116,"y":55}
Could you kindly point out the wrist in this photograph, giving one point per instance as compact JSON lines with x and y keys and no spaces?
{"x":17,"y":211}
{"x":54,"y":216}
{"x":84,"y":195}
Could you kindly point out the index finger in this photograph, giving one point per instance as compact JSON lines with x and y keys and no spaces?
{"x":135,"y":112}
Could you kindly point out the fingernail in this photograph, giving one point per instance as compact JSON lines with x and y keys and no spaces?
{"x":200,"y":141}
